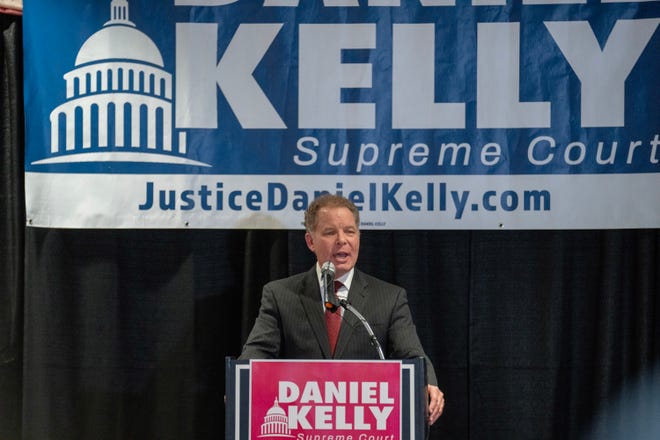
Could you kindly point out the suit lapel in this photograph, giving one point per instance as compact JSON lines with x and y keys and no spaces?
{"x":310,"y":299}
{"x":357,"y":297}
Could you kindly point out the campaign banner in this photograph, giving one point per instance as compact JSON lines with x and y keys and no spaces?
{"x":428,"y":114}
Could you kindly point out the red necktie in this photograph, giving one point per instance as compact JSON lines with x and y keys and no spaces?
{"x":333,"y":322}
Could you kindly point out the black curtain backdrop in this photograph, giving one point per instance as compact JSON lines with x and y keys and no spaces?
{"x":122,"y":334}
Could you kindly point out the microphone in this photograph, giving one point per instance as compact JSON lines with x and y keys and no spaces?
{"x":328,"y":280}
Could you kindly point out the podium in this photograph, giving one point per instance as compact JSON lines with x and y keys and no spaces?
{"x":325,"y":399}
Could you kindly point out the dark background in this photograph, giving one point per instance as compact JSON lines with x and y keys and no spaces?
{"x":122,"y":334}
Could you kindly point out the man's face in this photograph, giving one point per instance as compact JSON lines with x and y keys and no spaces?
{"x":336,"y":238}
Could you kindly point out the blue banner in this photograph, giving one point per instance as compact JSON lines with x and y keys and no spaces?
{"x":428,"y":114}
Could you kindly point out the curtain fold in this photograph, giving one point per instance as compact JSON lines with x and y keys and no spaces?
{"x":12,"y":221}
{"x":12,"y":200}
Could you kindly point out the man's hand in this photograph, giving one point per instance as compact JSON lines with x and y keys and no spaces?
{"x":436,"y":403}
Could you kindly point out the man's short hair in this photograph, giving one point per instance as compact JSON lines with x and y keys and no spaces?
{"x":328,"y":201}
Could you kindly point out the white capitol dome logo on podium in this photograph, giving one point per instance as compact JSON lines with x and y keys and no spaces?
{"x":276,"y":423}
{"x":118,"y":101}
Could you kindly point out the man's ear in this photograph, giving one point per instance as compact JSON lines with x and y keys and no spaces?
{"x":310,"y":241}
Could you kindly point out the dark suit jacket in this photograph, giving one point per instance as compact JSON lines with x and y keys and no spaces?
{"x":291,"y":323}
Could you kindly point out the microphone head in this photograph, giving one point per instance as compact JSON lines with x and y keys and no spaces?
{"x":328,"y":268}
{"x":328,"y":274}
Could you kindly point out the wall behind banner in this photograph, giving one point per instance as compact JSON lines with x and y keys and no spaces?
{"x":108,"y":334}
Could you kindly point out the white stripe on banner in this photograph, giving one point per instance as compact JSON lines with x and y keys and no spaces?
{"x":386,"y":202}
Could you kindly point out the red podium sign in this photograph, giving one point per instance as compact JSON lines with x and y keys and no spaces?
{"x":325,"y":400}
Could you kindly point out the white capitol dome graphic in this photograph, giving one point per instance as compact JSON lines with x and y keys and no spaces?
{"x":118,"y":101}
{"x":276,"y":423}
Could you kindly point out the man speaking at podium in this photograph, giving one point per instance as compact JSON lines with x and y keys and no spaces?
{"x":296,"y":319}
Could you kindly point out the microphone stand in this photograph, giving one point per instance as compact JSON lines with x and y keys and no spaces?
{"x":374,"y":340}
